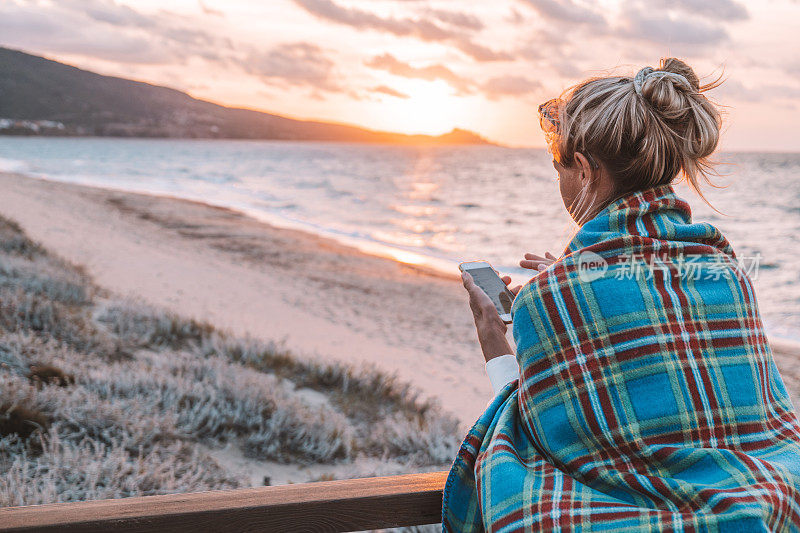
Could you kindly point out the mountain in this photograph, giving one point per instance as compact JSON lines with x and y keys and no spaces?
{"x":41,"y":96}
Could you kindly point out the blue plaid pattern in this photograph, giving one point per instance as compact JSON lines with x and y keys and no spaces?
{"x":647,"y":403}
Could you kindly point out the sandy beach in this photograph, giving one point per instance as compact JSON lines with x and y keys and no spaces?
{"x":323,"y":299}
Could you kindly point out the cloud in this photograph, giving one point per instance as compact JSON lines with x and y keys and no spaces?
{"x":565,"y":31}
{"x":736,"y":90}
{"x":357,"y":18}
{"x":423,"y":29}
{"x":713,"y":9}
{"x":103,"y":29}
{"x":494,"y":89}
{"x":567,"y":11}
{"x":391,"y":64}
{"x":515,"y":17}
{"x":205,"y":8}
{"x":683,"y":24}
{"x":109,"y":12}
{"x":106,"y":30}
{"x":49,"y":29}
{"x":548,"y":50}
{"x":665,"y":29}
{"x":166,"y":25}
{"x":510,"y":85}
{"x":792,"y":68}
{"x":455,"y":18}
{"x":481,"y":53}
{"x":298,"y":64}
{"x":383,"y":89}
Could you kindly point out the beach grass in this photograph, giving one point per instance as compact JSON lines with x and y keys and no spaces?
{"x":107,"y":397}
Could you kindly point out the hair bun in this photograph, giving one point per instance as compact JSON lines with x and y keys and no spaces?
{"x":667,"y":89}
{"x":673,"y":91}
{"x":676,"y":66}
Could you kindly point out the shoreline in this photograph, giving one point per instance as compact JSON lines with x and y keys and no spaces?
{"x":427,"y":264}
{"x":321,"y":298}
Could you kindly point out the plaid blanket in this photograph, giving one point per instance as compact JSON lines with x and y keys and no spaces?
{"x":649,"y":399}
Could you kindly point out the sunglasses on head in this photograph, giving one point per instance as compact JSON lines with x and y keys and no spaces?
{"x":551,"y":124}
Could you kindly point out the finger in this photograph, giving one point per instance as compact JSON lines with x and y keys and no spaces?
{"x":548,"y":255}
{"x":533,"y":265}
{"x":473,"y":300}
{"x":515,"y":290}
{"x":479,"y":301}
{"x":546,"y":260}
{"x":535,"y":257}
{"x":506,"y":280}
{"x":472,"y":289}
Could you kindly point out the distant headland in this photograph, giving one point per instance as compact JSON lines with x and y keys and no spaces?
{"x":39,"y":96}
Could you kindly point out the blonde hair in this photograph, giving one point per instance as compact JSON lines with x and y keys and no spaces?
{"x":644,"y":129}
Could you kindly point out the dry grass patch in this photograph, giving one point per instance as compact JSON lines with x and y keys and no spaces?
{"x":107,"y":398}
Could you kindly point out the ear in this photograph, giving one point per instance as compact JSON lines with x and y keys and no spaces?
{"x":588,"y":174}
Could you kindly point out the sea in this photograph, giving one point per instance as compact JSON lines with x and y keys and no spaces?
{"x":431,"y":206}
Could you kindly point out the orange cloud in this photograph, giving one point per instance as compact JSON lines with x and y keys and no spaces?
{"x":421,"y":28}
{"x":394,"y":66}
{"x":389,"y":91}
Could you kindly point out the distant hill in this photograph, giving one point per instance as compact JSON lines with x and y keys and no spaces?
{"x":40,"y":96}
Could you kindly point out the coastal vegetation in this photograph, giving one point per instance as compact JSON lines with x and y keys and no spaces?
{"x":107,"y":397}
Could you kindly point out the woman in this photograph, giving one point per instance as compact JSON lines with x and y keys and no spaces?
{"x":646,"y":397}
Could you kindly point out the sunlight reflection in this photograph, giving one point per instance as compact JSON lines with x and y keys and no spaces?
{"x":407,"y":257}
{"x":416,"y":210}
{"x":399,"y":239}
{"x":422,"y":190}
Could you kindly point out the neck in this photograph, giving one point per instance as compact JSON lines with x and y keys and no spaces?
{"x":588,"y":205}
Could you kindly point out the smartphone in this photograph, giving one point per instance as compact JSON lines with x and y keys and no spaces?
{"x":487,"y":279}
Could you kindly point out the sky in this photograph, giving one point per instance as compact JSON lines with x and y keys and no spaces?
{"x":427,"y":66}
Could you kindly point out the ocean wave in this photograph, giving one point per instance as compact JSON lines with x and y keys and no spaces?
{"x":13,"y":165}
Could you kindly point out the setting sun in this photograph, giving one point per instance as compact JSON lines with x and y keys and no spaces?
{"x":430,"y":107}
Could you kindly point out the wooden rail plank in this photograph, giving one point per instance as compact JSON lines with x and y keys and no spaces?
{"x":348,"y":505}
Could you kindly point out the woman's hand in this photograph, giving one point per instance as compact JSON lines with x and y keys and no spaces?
{"x":507,"y":281}
{"x":537,"y":262}
{"x":491,"y":328}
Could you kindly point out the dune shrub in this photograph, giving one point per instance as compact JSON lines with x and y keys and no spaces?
{"x":105,"y":397}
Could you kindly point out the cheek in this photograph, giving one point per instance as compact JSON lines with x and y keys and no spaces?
{"x":567,"y":186}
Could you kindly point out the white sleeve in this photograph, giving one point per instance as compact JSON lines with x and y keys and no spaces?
{"x":502,"y":371}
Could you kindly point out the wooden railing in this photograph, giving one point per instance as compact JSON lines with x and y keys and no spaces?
{"x":350,"y":505}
